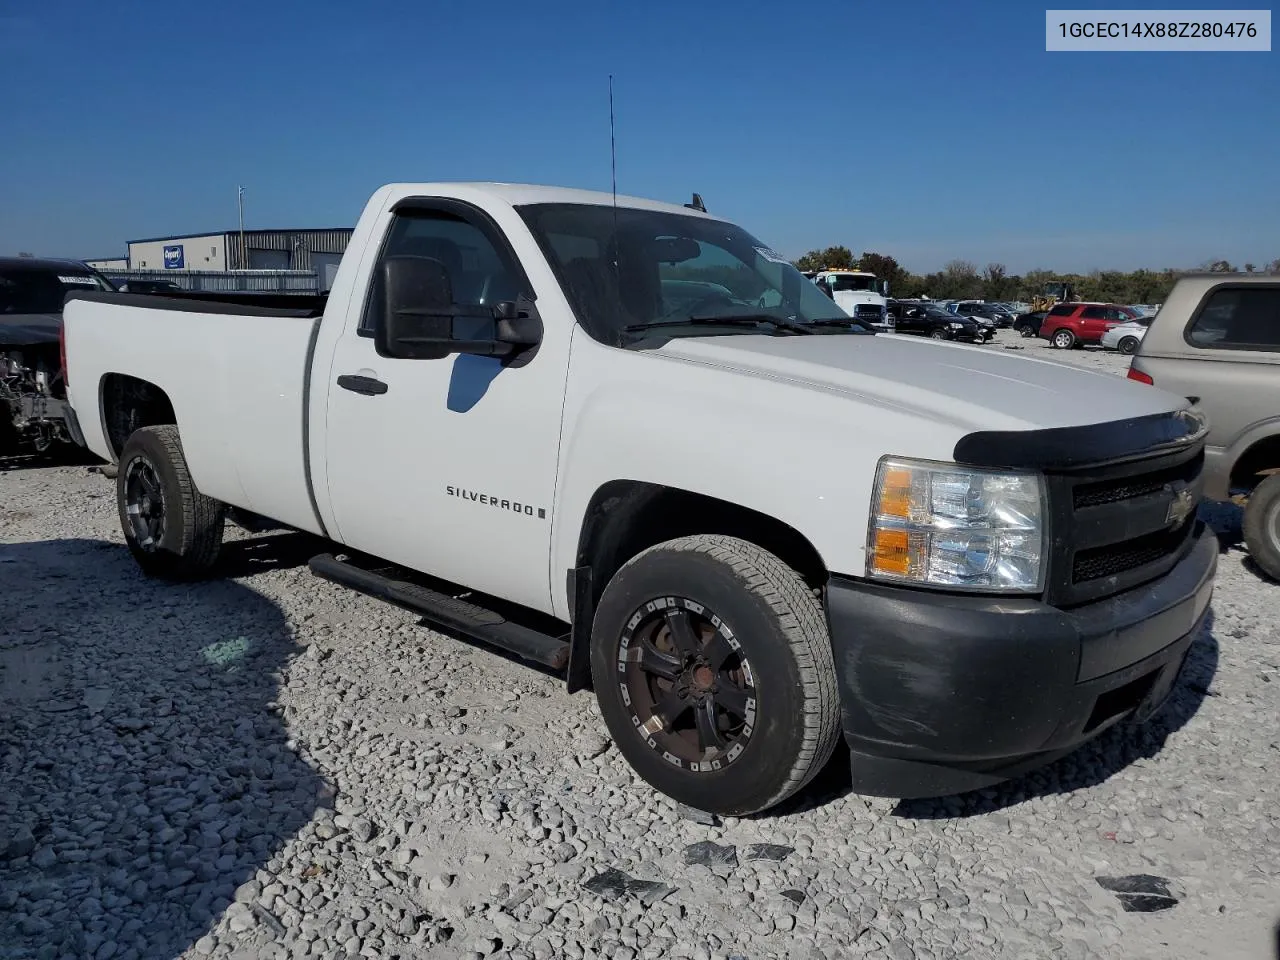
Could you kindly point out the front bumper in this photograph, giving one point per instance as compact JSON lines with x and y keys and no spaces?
{"x":943,"y":693}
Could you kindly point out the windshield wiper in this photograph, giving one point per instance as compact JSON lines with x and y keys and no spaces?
{"x":728,"y":320}
{"x":840,"y":322}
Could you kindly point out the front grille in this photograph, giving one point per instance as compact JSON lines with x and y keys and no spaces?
{"x":1099,"y":562}
{"x":1113,"y":527}
{"x":868,"y":310}
{"x":1130,"y":488}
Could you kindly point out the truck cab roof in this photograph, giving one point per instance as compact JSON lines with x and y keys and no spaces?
{"x":520,"y":194}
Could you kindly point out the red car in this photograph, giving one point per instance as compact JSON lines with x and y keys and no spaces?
{"x":1070,"y":325}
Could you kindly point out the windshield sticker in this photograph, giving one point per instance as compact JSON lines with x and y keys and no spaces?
{"x":87,"y":281}
{"x":770,"y":255}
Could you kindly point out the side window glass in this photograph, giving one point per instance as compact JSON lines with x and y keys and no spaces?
{"x":477,"y":272}
{"x":1061,"y":310}
{"x":1243,"y":318}
{"x":1092,"y":313}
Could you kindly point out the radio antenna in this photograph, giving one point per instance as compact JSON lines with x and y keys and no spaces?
{"x":613,"y":170}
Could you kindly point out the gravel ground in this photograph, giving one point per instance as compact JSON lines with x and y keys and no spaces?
{"x":269,"y":766}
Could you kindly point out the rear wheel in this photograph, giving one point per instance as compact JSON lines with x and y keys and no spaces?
{"x":1128,"y":346}
{"x":713,"y":668}
{"x":172,"y":529}
{"x":1262,"y":526}
{"x":1026,"y":332}
{"x":1063,"y":339}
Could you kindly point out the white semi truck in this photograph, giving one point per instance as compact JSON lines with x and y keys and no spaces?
{"x":860,"y":294}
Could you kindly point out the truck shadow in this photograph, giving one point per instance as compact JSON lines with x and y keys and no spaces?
{"x":146,"y":776}
{"x":63,"y":455}
{"x":1097,"y":761}
{"x":272,"y":551}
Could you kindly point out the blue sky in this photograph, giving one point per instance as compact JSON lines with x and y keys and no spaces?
{"x":924,"y":130}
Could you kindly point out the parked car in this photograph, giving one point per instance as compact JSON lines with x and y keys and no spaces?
{"x":938,"y":323}
{"x":32,"y":389}
{"x":1073,"y":324}
{"x":987,"y":325}
{"x":980,"y":310}
{"x":1216,"y":340}
{"x":1125,"y":337}
{"x":748,"y":528}
{"x":1028,"y":324}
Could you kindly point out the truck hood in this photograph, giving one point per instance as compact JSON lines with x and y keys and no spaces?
{"x":971,"y":388}
{"x":28,"y":329}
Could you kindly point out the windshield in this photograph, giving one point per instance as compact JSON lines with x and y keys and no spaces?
{"x":669,"y":268}
{"x":842,"y":281}
{"x":42,"y":289}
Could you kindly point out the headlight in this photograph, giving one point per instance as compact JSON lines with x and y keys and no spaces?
{"x":958,"y":527}
{"x":956,"y":326}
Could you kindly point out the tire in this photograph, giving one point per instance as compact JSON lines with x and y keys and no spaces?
{"x":1128,"y":346}
{"x":1026,"y":332}
{"x":938,"y":335}
{"x":1063,"y":339}
{"x":1262,"y":526}
{"x":762,"y":639}
{"x":184,"y":543}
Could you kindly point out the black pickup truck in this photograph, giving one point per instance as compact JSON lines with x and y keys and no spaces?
{"x":32,"y":391}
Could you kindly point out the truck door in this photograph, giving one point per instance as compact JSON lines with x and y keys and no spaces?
{"x":448,"y":466}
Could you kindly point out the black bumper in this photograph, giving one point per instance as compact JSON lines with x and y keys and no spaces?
{"x":943,"y":693}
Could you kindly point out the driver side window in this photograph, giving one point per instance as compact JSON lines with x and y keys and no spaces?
{"x":477,"y":273}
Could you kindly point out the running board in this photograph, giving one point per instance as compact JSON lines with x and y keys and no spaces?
{"x":475,"y":622}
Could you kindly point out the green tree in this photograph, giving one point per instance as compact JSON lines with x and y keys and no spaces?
{"x":886,"y":268}
{"x":996,"y":282}
{"x":837,"y":258}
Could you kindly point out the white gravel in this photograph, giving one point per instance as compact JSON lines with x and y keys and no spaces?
{"x":270,"y":766}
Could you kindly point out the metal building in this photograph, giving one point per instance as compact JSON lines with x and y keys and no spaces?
{"x":317,"y":251}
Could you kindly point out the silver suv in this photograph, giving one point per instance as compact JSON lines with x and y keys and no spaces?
{"x":1216,"y":340}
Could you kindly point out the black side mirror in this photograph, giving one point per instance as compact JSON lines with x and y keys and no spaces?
{"x":420,"y":321}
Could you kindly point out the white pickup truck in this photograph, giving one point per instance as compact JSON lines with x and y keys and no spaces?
{"x":578,"y":431}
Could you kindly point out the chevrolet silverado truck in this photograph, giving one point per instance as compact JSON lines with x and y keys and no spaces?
{"x":752,"y":530}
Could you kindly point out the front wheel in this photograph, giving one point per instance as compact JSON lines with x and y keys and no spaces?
{"x":1128,"y":346}
{"x":1262,"y":526}
{"x":1064,"y":339}
{"x":713,"y":668}
{"x":173,"y":530}
{"x":938,"y":335}
{"x":1026,"y":332}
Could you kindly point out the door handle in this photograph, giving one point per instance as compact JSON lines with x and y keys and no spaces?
{"x":369,"y":386}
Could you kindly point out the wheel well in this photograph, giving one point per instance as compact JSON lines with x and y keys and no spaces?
{"x":627,"y":516}
{"x":129,"y":403}
{"x":1263,"y":455}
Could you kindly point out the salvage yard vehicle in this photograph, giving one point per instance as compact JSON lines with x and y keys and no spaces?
{"x":1028,"y":324}
{"x":1069,"y":325}
{"x":1125,"y":337}
{"x":32,"y":393}
{"x":1217,"y":339}
{"x":749,"y":529}
{"x":858,"y":293}
{"x":937,"y":323}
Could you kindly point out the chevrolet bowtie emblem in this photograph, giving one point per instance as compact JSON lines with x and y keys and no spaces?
{"x":1180,"y":507}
